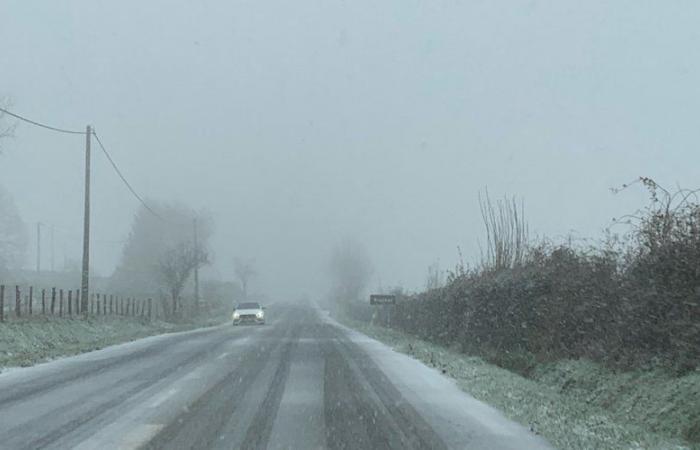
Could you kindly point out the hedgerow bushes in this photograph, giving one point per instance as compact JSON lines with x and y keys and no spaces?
{"x":633,"y":305}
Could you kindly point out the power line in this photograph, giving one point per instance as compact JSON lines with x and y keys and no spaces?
{"x":60,"y":130}
{"x":116,"y":169}
{"x":104,"y":150}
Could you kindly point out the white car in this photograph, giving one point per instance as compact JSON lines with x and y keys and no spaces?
{"x":249,"y":313}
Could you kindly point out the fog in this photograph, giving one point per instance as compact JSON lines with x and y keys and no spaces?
{"x":299,"y":124}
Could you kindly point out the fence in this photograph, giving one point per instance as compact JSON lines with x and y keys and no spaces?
{"x":18,"y":302}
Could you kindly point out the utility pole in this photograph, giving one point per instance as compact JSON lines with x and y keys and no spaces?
{"x":196,"y":267}
{"x":84,"y":286}
{"x":38,"y":247}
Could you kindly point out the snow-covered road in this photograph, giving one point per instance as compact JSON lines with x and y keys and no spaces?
{"x":301,"y":382}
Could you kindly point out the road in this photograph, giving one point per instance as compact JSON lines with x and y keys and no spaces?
{"x":299,"y":382}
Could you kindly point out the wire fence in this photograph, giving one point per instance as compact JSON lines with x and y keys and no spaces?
{"x":17,"y":302}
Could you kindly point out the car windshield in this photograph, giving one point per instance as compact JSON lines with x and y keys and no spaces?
{"x":248,"y":306}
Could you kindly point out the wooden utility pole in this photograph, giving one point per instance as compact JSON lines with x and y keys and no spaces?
{"x":84,"y":286}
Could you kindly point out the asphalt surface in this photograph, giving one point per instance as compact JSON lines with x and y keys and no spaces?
{"x":299,"y":382}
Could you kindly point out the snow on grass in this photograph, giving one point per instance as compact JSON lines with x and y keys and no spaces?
{"x":664,"y":403}
{"x":28,"y":341}
{"x":569,"y":414}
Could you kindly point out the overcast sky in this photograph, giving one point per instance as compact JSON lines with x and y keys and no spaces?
{"x":299,"y":123}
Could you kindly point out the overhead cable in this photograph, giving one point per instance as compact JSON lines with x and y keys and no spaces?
{"x":128,"y":185}
{"x":38,"y":124}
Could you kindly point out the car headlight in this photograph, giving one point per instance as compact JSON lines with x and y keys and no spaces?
{"x":259,"y":314}
{"x":236,"y":315}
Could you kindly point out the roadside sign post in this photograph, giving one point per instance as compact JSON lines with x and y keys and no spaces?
{"x":387,"y":301}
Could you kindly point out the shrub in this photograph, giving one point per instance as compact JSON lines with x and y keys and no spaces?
{"x":633,"y":306}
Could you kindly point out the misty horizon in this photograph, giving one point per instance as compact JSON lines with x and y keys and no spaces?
{"x":296,"y":126}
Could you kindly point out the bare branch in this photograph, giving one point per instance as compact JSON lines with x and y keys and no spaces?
{"x":507,"y":233}
{"x":6,"y":130}
{"x":177,"y":264}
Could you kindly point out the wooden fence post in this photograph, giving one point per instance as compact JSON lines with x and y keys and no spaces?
{"x":111,"y":301}
{"x":77,"y":302}
{"x":53,"y":299}
{"x":70,"y":302}
{"x":60,"y":303}
{"x":17,"y":302}
{"x":43,"y":301}
{"x":31,"y":295}
{"x":104,"y":304}
{"x":2,"y":302}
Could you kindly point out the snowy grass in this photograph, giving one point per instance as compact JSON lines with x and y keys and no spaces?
{"x":25,"y":342}
{"x":574,"y":404}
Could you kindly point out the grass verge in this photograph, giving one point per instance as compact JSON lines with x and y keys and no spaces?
{"x":574,"y":404}
{"x":26,"y":342}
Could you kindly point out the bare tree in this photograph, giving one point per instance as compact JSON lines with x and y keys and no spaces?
{"x":350,"y":269}
{"x":150,"y":238}
{"x":244,"y":270}
{"x":506,"y":232}
{"x":13,"y":234}
{"x":6,"y":130}
{"x":177,"y":264}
